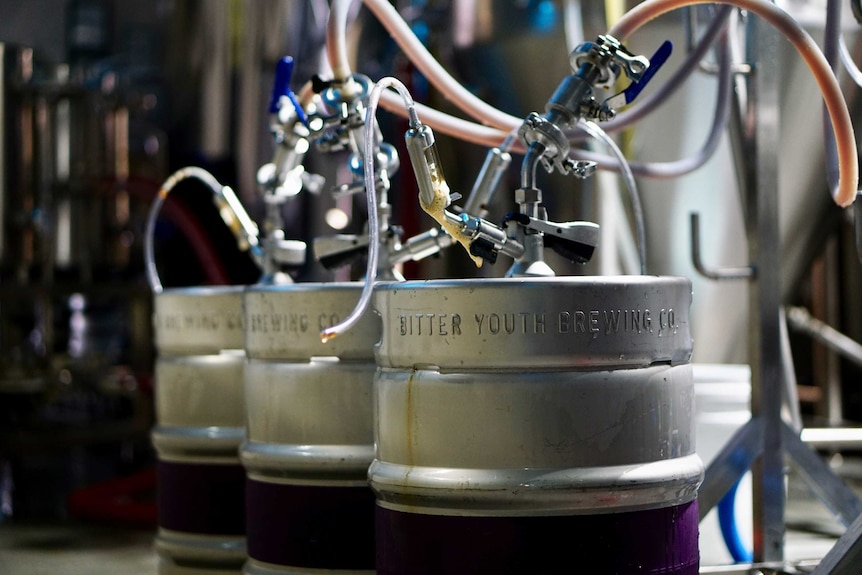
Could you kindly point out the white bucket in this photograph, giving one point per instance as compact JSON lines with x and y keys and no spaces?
{"x":722,"y":406}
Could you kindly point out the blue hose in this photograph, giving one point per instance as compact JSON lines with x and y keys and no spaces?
{"x":730,"y":528}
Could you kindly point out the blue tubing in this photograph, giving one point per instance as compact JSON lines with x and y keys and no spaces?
{"x":730,"y":528}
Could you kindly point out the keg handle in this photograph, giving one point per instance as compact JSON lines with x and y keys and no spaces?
{"x":230,"y":209}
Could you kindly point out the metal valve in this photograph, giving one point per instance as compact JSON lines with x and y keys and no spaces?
{"x":284,"y":176}
{"x":608,"y":55}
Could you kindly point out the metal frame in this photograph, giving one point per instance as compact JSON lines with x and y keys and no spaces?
{"x":766,"y":439}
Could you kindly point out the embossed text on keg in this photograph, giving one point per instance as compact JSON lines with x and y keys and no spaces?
{"x":430,"y":324}
{"x":325,"y":320}
{"x":203,"y":321}
{"x":594,"y":322}
{"x":278,"y":322}
{"x":510,"y":323}
{"x":291,"y":322}
{"x":613,"y":321}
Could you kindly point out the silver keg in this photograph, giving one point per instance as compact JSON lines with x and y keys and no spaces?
{"x":309,"y":432}
{"x":525,"y":424}
{"x":200,"y":424}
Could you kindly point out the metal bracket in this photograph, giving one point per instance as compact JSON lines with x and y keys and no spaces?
{"x":845,"y":555}
{"x":801,"y":320}
{"x":690,"y":24}
{"x":731,"y":273}
{"x":738,"y":454}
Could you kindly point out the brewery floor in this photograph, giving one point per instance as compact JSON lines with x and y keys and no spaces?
{"x":78,"y":548}
{"x":69,"y":548}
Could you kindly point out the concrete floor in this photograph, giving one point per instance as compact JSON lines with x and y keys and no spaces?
{"x":92,"y":549}
{"x":75,"y":549}
{"x":95,"y":550}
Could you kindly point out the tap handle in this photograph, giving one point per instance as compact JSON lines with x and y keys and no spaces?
{"x":281,"y":88}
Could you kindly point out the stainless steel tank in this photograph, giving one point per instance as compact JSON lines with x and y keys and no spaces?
{"x":200,"y":424}
{"x":529,"y":425}
{"x":310,"y":431}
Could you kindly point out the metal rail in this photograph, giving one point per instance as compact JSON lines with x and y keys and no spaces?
{"x":764,"y":442}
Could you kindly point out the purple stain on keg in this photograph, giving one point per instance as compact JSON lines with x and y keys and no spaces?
{"x":309,"y":526}
{"x":202,"y":498}
{"x":651,"y":542}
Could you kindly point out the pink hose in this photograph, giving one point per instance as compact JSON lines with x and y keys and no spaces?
{"x":848,"y":181}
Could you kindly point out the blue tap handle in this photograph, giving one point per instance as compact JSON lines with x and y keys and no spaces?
{"x":658,"y":59}
{"x":281,"y":87}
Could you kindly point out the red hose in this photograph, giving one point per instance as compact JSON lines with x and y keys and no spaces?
{"x":129,"y":500}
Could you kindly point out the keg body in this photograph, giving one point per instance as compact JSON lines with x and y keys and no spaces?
{"x":309,"y":432}
{"x":200,"y":424}
{"x":522,"y":424}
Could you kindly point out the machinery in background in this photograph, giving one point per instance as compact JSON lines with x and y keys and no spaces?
{"x":78,"y":151}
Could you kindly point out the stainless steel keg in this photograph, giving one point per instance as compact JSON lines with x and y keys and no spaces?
{"x":200,"y":426}
{"x":526,"y":425}
{"x":310,"y":431}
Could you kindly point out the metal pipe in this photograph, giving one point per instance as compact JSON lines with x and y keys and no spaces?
{"x":833,"y":438}
{"x":742,"y":272}
{"x":422,"y":246}
{"x":530,"y":164}
{"x":800,"y":319}
{"x":496,"y":163}
{"x":765,"y":250}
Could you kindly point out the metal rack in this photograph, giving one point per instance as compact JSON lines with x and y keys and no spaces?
{"x":766,"y":439}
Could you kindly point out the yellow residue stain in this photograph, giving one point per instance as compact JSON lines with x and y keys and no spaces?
{"x":436,"y":210}
{"x":409,"y":421}
{"x":326,"y":336}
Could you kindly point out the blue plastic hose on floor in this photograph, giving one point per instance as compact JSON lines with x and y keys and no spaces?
{"x":740,"y":552}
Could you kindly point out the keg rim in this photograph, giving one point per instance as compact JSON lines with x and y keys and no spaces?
{"x":314,"y":286}
{"x":577,"y":321}
{"x":202,"y":290}
{"x":621,"y":280}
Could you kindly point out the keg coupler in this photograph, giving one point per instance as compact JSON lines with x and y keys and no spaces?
{"x":526,"y":232}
